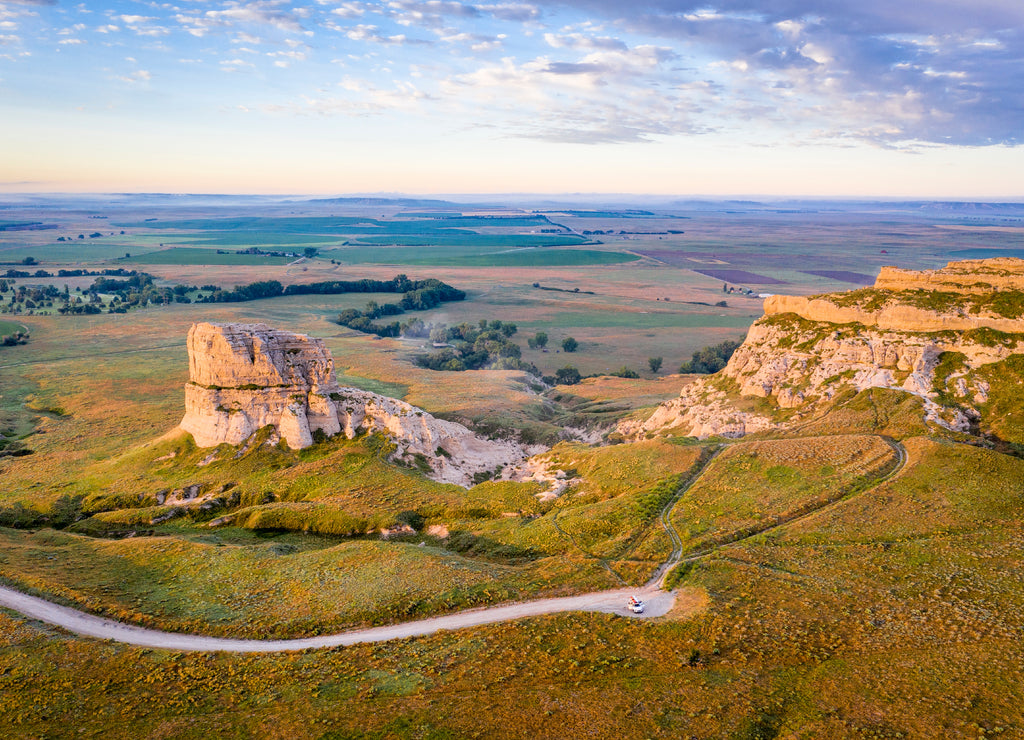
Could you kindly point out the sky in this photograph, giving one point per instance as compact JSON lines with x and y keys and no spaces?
{"x":827,"y":98}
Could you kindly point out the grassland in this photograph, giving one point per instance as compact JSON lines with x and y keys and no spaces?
{"x":10,"y":327}
{"x":819,"y":602}
{"x":895,"y":613}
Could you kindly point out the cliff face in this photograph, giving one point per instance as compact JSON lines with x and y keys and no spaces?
{"x":966,"y":276}
{"x":243,"y":377}
{"x":804,"y":351}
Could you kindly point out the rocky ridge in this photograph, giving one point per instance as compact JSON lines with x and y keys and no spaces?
{"x":244,"y":377}
{"x":925,"y":341}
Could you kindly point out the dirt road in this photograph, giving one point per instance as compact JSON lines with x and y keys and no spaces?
{"x":657,"y":603}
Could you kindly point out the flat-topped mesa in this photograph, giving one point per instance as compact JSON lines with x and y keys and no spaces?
{"x":972,"y":294}
{"x":243,"y":377}
{"x":914,"y":331}
{"x":965,"y":276}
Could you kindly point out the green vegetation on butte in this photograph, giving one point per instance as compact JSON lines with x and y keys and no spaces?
{"x":847,"y":567}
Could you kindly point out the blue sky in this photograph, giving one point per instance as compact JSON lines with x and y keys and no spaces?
{"x":792,"y":97}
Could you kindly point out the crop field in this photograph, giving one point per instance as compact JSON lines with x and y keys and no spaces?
{"x":498,"y":251}
{"x":200,"y":256}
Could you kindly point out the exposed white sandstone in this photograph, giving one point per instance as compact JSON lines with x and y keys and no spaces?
{"x":244,"y":377}
{"x":805,"y":351}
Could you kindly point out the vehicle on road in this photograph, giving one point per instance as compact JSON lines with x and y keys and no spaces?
{"x":635,"y":605}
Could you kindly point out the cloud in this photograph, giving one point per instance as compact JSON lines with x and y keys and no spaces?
{"x":350,"y":10}
{"x":476,"y":41}
{"x":358,"y":98}
{"x":893,"y":73}
{"x":137,"y":77}
{"x":579,"y":41}
{"x":256,"y":13}
{"x":512,"y":12}
{"x":608,"y":95}
{"x":372,"y":34}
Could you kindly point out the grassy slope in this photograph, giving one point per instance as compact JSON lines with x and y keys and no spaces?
{"x":897,"y":614}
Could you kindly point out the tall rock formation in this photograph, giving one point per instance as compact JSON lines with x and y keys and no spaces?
{"x":243,"y":377}
{"x":898,"y":334}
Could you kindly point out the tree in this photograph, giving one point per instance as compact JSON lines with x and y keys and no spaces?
{"x":541,"y":339}
{"x":567,"y":375}
{"x":570,"y":345}
{"x":310,"y":252}
{"x":710,"y":359}
{"x":29,"y":261}
{"x":654,"y":363}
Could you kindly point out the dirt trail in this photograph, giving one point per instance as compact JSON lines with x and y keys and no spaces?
{"x":657,"y":603}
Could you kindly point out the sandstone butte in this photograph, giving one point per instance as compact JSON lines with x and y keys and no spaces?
{"x":967,"y":278}
{"x":888,"y":337}
{"x":244,"y":377}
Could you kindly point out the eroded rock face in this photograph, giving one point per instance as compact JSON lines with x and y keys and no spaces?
{"x":805,"y":351}
{"x":243,"y":377}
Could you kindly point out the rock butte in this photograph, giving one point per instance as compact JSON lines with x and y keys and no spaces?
{"x":244,"y":377}
{"x":805,"y":350}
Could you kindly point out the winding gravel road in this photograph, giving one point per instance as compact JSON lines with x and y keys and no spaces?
{"x":657,"y":603}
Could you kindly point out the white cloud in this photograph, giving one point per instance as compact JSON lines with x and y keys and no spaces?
{"x":350,"y":10}
{"x":579,"y":41}
{"x":137,"y":77}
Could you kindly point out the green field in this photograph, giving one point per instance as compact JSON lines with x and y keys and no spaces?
{"x":200,"y":256}
{"x":10,"y":327}
{"x":470,"y":256}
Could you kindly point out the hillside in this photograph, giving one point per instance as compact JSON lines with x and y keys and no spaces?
{"x":944,"y":337}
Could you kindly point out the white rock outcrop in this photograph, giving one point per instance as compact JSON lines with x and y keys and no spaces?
{"x":244,"y":377}
{"x":805,"y":351}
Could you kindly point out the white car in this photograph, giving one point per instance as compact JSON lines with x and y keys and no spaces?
{"x":636,"y":606}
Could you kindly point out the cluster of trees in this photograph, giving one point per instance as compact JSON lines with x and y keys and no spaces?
{"x":242,"y":293}
{"x":135,"y":289}
{"x":28,"y":298}
{"x":540,"y":341}
{"x":25,"y":274}
{"x":18,"y":337}
{"x":710,"y":359}
{"x":475,"y":346}
{"x":418,"y":295}
{"x":118,"y":272}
